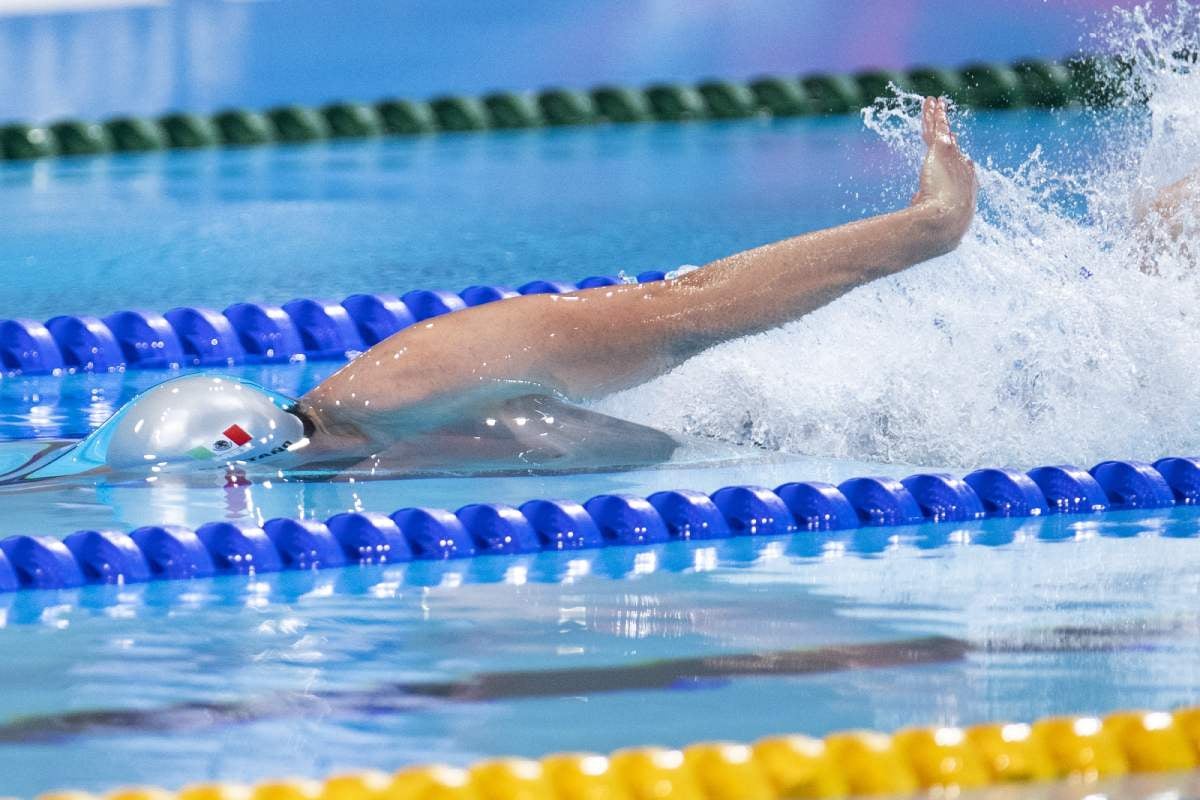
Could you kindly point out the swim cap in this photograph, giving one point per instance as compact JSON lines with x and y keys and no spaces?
{"x":201,"y":420}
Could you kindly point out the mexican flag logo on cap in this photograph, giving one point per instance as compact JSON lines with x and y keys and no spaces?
{"x":235,"y":437}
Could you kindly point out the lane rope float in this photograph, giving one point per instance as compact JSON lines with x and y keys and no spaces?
{"x":940,"y":759}
{"x":1082,"y":79}
{"x":808,"y":509}
{"x":244,"y":333}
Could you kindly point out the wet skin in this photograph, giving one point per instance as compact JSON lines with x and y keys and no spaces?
{"x":443,"y":385}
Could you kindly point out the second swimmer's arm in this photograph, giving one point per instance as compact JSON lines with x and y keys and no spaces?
{"x":1165,"y":225}
{"x":592,"y":342}
{"x":1170,"y":202}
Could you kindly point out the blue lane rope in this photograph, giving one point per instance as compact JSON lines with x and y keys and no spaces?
{"x":244,"y":333}
{"x":607,"y":520}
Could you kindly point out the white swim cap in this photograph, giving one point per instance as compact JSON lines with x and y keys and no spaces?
{"x":197,"y":419}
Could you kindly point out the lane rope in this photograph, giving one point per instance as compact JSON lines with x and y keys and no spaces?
{"x":1081,"y":79}
{"x":244,"y":333}
{"x":813,"y":511}
{"x":941,"y":759}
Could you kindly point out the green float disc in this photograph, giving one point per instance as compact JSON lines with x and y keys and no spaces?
{"x":405,"y":117}
{"x":20,"y":141}
{"x":934,"y":82}
{"x":1044,"y":83}
{"x":508,"y":110}
{"x":726,"y":100}
{"x":240,"y":127}
{"x":297,"y":124}
{"x":132,"y":134}
{"x":670,"y":102}
{"x":874,"y":83}
{"x":832,"y":94}
{"x":780,"y":96}
{"x":77,"y":138}
{"x":990,"y":86}
{"x":188,"y":130}
{"x":1097,"y":82}
{"x":617,"y":104}
{"x":458,"y":114}
{"x":561,"y":107}
{"x":352,"y":120}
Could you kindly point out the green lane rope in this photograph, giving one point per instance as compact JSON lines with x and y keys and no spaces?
{"x":1082,"y":80}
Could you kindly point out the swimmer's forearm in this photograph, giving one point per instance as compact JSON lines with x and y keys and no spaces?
{"x":1161,"y":223}
{"x":1170,"y":199}
{"x":771,"y":285}
{"x":1172,"y":210}
{"x":616,"y":337}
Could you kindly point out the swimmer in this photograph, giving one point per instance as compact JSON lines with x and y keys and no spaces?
{"x":493,"y":385}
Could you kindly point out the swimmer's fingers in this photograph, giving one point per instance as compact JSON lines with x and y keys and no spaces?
{"x":952,"y":139}
{"x":949,"y":130}
{"x":941,"y":123}
{"x":927,"y":124}
{"x":935,"y":125}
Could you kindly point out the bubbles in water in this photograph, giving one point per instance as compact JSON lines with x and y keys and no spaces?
{"x":1056,"y":331}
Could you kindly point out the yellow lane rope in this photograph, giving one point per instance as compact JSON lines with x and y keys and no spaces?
{"x":852,"y":763}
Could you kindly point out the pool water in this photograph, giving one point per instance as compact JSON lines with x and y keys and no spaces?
{"x":272,"y":223}
{"x":304,"y":674}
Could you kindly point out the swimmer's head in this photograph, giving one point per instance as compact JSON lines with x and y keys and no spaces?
{"x":198,"y":420}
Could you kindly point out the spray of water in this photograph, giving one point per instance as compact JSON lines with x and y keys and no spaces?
{"x":1057,"y":330}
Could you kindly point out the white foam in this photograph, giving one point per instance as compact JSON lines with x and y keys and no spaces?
{"x":1039,"y":339}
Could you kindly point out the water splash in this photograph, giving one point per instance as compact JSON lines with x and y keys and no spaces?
{"x":1044,"y":336}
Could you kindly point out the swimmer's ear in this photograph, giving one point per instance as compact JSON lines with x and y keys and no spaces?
{"x":309,"y":426}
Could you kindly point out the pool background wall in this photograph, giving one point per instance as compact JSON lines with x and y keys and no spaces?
{"x":150,"y":56}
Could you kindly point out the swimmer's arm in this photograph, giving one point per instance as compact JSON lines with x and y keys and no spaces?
{"x":1160,"y":225}
{"x":1170,"y":200}
{"x":1171,"y":211}
{"x":589,"y":343}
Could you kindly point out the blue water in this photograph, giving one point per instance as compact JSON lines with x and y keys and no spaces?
{"x":389,"y":215}
{"x":1101,"y":619}
{"x":1059,"y":615}
{"x":396,"y":214}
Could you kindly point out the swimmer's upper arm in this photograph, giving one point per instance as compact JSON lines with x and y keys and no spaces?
{"x":430,"y":373}
{"x":575,"y":345}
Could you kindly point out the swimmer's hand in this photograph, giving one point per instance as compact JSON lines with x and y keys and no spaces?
{"x":948,"y":184}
